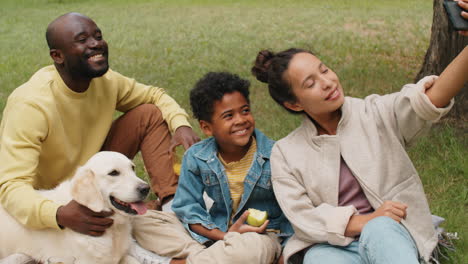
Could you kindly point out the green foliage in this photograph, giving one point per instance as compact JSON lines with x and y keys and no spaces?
{"x":374,"y":46}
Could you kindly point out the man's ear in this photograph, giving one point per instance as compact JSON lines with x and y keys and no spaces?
{"x":56,"y":55}
{"x":293,"y":106}
{"x":85,"y":191}
{"x":206,"y":128}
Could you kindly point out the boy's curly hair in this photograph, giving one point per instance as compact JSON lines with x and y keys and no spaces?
{"x":211,"y":88}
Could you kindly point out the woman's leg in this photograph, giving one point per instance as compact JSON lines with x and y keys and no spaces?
{"x":326,"y":253}
{"x":383,"y":240}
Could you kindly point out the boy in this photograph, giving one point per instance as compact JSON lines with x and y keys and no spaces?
{"x":233,"y":168}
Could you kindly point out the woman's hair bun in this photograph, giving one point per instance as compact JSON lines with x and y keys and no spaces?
{"x":262,"y":63}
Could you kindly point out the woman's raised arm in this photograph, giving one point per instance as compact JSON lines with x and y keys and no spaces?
{"x":451,"y":80}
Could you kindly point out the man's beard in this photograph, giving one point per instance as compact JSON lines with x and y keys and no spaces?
{"x":89,"y":72}
{"x":82,"y":69}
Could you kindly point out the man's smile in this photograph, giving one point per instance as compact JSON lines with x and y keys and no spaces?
{"x":96,"y":57}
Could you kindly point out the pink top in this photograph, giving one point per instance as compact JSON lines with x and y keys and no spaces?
{"x":350,"y":192}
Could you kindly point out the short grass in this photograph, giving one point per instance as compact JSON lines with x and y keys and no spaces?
{"x":374,"y":46}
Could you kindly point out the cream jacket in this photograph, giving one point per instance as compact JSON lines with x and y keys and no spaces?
{"x":372,"y":136}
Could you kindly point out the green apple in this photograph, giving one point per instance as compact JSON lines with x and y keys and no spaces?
{"x":256,"y":217}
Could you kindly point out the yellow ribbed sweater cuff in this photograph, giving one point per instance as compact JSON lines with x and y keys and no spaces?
{"x":48,"y":214}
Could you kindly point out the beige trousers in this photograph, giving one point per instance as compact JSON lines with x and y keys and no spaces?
{"x":164,"y":234}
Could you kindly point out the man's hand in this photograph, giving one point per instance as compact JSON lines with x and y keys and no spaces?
{"x":185,"y":136}
{"x":83,"y":220}
{"x":464,"y":5}
{"x":240,"y":226}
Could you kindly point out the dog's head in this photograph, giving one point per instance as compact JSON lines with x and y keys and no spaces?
{"x":108,"y":181}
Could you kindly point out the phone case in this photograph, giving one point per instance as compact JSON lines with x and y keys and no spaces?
{"x":453,"y":11}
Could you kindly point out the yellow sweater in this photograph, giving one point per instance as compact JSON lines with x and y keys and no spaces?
{"x":48,"y":130}
{"x":236,"y":172}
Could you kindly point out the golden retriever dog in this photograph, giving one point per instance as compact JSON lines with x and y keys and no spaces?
{"x":106,"y":182}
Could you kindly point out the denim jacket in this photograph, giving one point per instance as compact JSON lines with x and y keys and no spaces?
{"x":202,"y":172}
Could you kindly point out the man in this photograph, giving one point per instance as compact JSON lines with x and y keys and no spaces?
{"x":64,"y":114}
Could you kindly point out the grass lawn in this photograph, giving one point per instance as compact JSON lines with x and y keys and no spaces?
{"x":374,"y":46}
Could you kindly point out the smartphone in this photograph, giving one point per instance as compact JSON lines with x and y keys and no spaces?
{"x":454,"y":13}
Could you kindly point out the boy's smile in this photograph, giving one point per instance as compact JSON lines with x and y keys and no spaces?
{"x":232,"y":125}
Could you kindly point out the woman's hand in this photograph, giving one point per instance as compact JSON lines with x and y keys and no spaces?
{"x":464,"y":5}
{"x":240,"y":226}
{"x":394,"y":210}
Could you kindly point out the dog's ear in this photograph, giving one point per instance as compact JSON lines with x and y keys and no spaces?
{"x":85,"y":191}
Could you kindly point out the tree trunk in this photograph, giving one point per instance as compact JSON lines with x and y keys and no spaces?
{"x":444,"y":47}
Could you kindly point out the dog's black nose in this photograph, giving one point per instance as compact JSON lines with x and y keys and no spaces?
{"x":143,"y":189}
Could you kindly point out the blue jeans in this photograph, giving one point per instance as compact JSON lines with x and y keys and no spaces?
{"x":382,"y":241}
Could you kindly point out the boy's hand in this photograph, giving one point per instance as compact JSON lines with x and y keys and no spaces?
{"x":464,"y":5}
{"x":83,"y":220}
{"x":185,"y":136}
{"x":240,"y":226}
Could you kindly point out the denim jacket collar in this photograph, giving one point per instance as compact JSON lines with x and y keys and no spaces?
{"x":209,"y":151}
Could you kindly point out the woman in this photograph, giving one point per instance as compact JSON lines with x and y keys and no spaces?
{"x":343,"y":178}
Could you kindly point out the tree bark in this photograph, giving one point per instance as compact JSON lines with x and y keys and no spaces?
{"x":444,"y":47}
